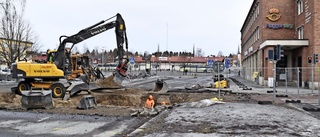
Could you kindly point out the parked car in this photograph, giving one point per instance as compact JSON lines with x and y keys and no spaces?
{"x":5,"y":74}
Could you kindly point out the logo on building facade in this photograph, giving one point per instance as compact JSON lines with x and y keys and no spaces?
{"x":274,"y":15}
{"x":279,"y":26}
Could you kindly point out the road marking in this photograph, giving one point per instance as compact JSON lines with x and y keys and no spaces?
{"x":10,"y":123}
{"x":113,"y":132}
{"x":57,"y":127}
{"x":42,"y":119}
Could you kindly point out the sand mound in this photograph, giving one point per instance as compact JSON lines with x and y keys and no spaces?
{"x":10,"y":101}
{"x":107,"y":83}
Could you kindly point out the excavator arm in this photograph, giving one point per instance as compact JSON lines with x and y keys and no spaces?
{"x":61,"y":58}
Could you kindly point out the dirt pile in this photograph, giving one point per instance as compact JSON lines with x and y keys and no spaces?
{"x":120,"y":97}
{"x":107,"y":83}
{"x":10,"y":101}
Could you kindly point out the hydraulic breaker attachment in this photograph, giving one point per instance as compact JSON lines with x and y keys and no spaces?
{"x":37,"y":99}
{"x":160,"y":86}
{"x":87,"y":102}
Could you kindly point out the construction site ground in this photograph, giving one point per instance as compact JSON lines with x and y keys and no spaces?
{"x":115,"y":102}
{"x":240,"y":112}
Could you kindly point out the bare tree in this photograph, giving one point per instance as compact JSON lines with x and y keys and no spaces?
{"x":16,"y":34}
{"x":136,"y":53}
{"x":85,"y":48}
{"x":185,"y":60}
{"x":199,"y":52}
{"x":220,"y":54}
{"x":75,"y":50}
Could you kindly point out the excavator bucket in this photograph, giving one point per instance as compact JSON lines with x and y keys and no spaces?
{"x":87,"y":102}
{"x":160,"y":86}
{"x":118,"y":78}
{"x":113,"y":81}
{"x":36,"y":99}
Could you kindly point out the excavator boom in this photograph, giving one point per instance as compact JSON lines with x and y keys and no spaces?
{"x":61,"y":57}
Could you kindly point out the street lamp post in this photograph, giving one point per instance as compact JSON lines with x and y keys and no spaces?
{"x":102,"y":57}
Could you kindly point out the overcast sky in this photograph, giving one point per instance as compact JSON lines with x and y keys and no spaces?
{"x":175,"y":25}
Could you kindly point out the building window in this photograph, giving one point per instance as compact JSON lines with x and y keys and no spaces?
{"x":258,"y":33}
{"x":300,"y":32}
{"x":258,"y":10}
{"x":300,"y":6}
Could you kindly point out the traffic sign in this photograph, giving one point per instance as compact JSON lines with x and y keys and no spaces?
{"x":227,"y":63}
{"x":131,"y":60}
{"x":218,"y":67}
{"x":210,"y":62}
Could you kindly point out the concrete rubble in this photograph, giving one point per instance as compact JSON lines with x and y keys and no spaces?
{"x":203,"y":103}
{"x":150,"y":111}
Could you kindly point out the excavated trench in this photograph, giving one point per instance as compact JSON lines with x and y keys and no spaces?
{"x":121,"y":97}
{"x":117,"y":101}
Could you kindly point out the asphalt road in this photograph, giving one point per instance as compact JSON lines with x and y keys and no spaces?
{"x":203,"y":118}
{"x":5,"y":86}
{"x":174,"y":80}
{"x":13,"y":124}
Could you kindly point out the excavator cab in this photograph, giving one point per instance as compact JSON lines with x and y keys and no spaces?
{"x":50,"y":55}
{"x":78,"y":63}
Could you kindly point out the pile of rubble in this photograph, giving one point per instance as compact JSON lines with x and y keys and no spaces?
{"x":151,"y":111}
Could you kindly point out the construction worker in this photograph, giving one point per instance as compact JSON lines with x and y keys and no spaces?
{"x":150,"y":102}
{"x":50,"y":56}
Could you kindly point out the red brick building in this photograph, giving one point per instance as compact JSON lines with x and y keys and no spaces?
{"x":293,"y":24}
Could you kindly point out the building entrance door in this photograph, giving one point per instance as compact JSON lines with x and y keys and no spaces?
{"x":281,"y":65}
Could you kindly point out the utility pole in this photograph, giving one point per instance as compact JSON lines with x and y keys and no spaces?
{"x":219,"y":80}
{"x":167,"y":36}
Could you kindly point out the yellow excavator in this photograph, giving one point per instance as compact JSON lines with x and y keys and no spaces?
{"x":78,"y":63}
{"x":56,"y":73}
{"x":81,"y":67}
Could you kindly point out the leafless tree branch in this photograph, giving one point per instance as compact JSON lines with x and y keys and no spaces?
{"x":16,"y":34}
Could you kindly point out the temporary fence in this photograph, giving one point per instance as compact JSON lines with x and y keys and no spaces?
{"x":306,"y":77}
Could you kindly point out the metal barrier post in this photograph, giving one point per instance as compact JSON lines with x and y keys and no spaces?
{"x":318,"y":88}
{"x":298,"y":79}
{"x":286,"y":72}
{"x":274,"y":79}
{"x":312,"y":77}
{"x":219,"y":80}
